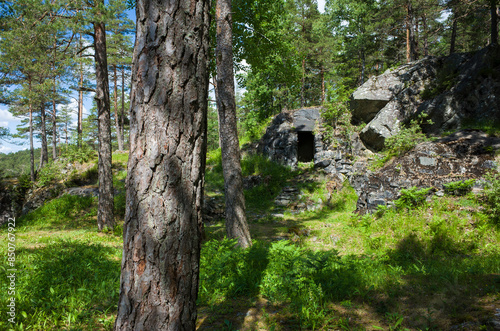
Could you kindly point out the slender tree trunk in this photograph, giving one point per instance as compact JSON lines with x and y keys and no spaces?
{"x":453,"y":34}
{"x":363,"y":66}
{"x":32,"y":149}
{"x":236,"y":222}
{"x":122,"y":115}
{"x":323,"y":91}
{"x":44,"y":155}
{"x":105,"y":216}
{"x":80,"y":106}
{"x":80,"y":112}
{"x":54,"y":124}
{"x":117,"y":120}
{"x":303,"y":84}
{"x":494,"y":22}
{"x":162,"y":231}
{"x":426,"y":37}
{"x":411,"y":54}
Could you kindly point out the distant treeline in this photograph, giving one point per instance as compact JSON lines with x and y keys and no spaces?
{"x":15,"y":164}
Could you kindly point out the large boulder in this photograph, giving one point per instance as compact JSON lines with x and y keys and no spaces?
{"x":461,"y":90}
{"x":373,"y":95}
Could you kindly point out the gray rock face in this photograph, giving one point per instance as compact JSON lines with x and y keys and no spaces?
{"x":373,"y":95}
{"x":463,"y":155}
{"x":280,"y":142}
{"x":306,"y":119}
{"x":6,"y":210}
{"x":455,"y":91}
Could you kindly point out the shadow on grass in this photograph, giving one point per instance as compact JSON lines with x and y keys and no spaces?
{"x":418,"y":285}
{"x":66,"y":282}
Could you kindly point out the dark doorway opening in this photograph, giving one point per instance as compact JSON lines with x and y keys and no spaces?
{"x":305,"y":146}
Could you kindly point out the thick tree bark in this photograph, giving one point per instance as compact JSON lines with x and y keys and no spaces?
{"x":236,"y":222}
{"x":105,"y":216}
{"x":162,"y":231}
{"x":44,"y":154}
{"x":117,"y":120}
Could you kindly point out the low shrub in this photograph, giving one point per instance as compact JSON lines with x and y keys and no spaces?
{"x":492,"y":195}
{"x":48,"y":174}
{"x":412,"y":197}
{"x":459,"y":188}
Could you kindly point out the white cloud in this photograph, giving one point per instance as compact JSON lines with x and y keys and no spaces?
{"x":321,"y":6}
{"x":4,"y":124}
{"x":6,"y":116}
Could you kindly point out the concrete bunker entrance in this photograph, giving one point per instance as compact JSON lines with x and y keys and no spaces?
{"x":305,"y":146}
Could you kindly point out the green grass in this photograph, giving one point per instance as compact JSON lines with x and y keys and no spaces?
{"x":419,"y":268}
{"x":67,"y":273}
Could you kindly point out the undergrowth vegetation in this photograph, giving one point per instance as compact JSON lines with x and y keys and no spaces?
{"x":431,"y":263}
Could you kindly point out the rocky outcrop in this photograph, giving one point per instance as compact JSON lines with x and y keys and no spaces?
{"x":461,"y":90}
{"x":466,"y":154}
{"x":281,"y":139}
{"x":36,"y":197}
{"x":6,"y":209}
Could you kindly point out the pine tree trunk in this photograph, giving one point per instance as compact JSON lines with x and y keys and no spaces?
{"x":32,"y":149}
{"x":117,"y":120}
{"x":426,"y":37}
{"x":105,"y":216}
{"x":411,"y":51}
{"x":453,"y":35}
{"x":122,"y":115}
{"x":236,"y":222}
{"x":54,"y":124}
{"x":323,"y":90}
{"x":162,"y":230}
{"x":303,"y":84}
{"x":80,"y":105}
{"x":80,"y":111}
{"x":44,"y":154}
{"x":363,"y":66}
{"x":494,"y":22}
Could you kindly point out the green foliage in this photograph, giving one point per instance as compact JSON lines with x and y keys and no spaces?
{"x":19,"y":191}
{"x":275,"y":176}
{"x":461,"y":187}
{"x":492,"y":195}
{"x":15,"y":164}
{"x":89,"y":176}
{"x":62,"y":284}
{"x":253,"y":127}
{"x":64,"y":211}
{"x":336,"y":114}
{"x":50,"y":173}
{"x":82,"y":154}
{"x":407,"y":137}
{"x":227,"y":270}
{"x":412,"y":197}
